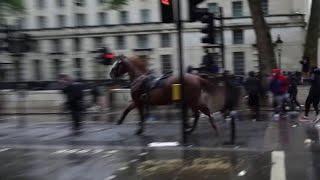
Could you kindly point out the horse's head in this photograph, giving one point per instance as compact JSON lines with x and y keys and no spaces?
{"x":119,"y":67}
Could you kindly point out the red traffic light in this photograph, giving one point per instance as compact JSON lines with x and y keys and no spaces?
{"x":108,"y":56}
{"x":166,"y":2}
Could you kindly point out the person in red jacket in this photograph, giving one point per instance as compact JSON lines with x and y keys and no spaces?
{"x":279,"y":87}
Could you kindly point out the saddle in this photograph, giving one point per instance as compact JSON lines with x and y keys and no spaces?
{"x":146,"y":83}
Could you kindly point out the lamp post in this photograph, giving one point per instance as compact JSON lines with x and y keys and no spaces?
{"x":279,"y":43}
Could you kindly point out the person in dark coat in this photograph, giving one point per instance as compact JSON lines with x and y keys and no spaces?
{"x":74,"y":94}
{"x":305,"y":63}
{"x":314,"y":94}
{"x":95,"y":92}
{"x":293,"y":89}
{"x":208,"y":63}
{"x":253,"y":87}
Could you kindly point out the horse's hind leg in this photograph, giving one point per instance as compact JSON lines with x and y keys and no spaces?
{"x":129,"y":108}
{"x":141,"y":123}
{"x":196,"y":115}
{"x":205,"y":110}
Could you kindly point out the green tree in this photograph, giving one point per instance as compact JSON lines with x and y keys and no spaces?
{"x":311,"y":42}
{"x":267,"y":60}
{"x":9,"y":7}
{"x":266,"y":55}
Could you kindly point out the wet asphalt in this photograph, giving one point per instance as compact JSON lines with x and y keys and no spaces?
{"x":41,"y":147}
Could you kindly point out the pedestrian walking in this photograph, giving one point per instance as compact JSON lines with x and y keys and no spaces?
{"x":279,"y":89}
{"x":305,"y":63}
{"x":314,"y":94}
{"x":74,"y":95}
{"x":293,"y":89}
{"x":252,"y":87}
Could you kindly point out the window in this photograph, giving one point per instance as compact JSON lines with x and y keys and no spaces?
{"x":42,"y":22}
{"x":80,"y":20}
{"x":60,"y":3}
{"x":56,"y":68}
{"x":77,"y":64}
{"x":238,"y":63}
{"x":17,"y":70}
{"x":124,"y":19}
{"x":103,"y":18}
{"x":166,"y":61}
{"x":41,"y":4}
{"x":265,"y":6}
{"x":56,"y":45}
{"x":218,"y":37}
{"x":21,"y":23}
{"x":238,"y":36}
{"x":98,"y":42}
{"x":61,"y":21}
{"x":165,"y":40}
{"x":143,"y":41}
{"x":77,"y":44}
{"x":37,"y":71}
{"x":100,"y":2}
{"x":35,"y":46}
{"x":237,"y":8}
{"x":213,"y":8}
{"x":120,"y":42}
{"x":145,"y":15}
{"x":80,"y":3}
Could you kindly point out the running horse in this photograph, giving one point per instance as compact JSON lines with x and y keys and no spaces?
{"x":137,"y":71}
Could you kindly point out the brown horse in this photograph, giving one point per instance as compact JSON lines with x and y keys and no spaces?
{"x":160,"y":96}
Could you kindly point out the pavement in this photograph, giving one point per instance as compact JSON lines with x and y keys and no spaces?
{"x":42,"y":147}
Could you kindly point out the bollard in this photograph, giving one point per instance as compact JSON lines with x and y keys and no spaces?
{"x":176,"y":92}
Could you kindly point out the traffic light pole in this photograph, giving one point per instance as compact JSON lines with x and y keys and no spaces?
{"x":177,"y":10}
{"x":222,"y":37}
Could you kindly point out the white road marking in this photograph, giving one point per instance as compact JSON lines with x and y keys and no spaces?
{"x":134,"y":160}
{"x":163,"y":144}
{"x":110,"y":177}
{"x":83,"y":151}
{"x":96,"y":151}
{"x":242,"y":173}
{"x":59,"y":148}
{"x":112,"y":151}
{"x":143,"y":154}
{"x":278,"y":170}
{"x":123,"y":168}
{"x":5,"y":149}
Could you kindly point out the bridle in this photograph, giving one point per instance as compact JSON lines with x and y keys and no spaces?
{"x":116,"y":67}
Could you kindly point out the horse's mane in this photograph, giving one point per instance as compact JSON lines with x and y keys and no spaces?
{"x":139,"y":63}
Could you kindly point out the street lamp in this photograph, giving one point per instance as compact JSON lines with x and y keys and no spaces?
{"x":279,"y":43}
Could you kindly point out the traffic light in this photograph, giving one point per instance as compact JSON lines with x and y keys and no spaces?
{"x":204,"y":16}
{"x":194,"y":12}
{"x":167,"y":11}
{"x":208,"y":29}
{"x":105,"y":56}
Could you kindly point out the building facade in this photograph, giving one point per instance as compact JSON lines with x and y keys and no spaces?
{"x":66,"y":34}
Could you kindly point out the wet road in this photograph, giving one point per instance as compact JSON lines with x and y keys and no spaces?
{"x":271,"y":150}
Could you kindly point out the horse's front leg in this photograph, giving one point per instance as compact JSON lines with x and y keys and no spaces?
{"x":196,"y":115}
{"x":141,"y":123}
{"x":129,"y":108}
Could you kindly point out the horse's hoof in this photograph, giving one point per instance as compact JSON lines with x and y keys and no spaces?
{"x":189,"y":130}
{"x":139,"y":132}
{"x":119,"y":122}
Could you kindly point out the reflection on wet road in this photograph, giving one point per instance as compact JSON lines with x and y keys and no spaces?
{"x":133,"y":164}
